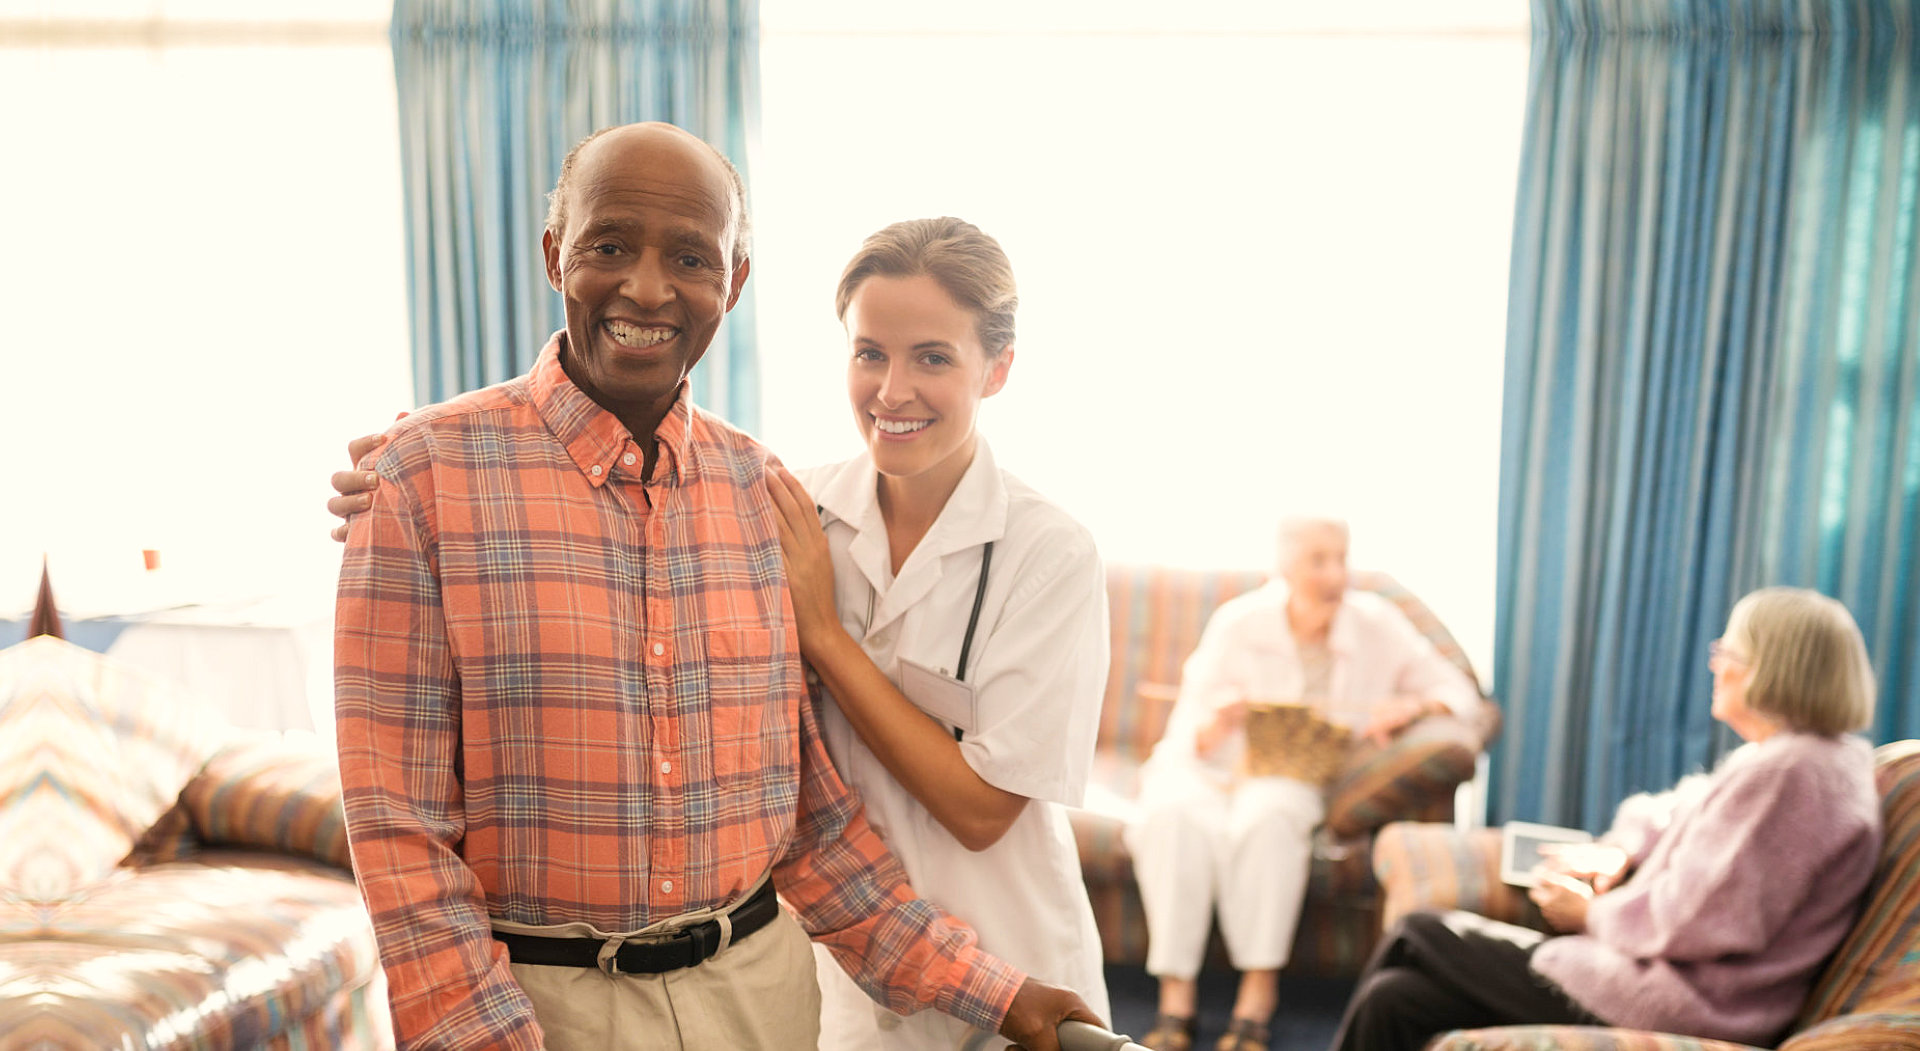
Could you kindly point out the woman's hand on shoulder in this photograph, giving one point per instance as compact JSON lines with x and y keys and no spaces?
{"x":809,"y":562}
{"x":354,"y":486}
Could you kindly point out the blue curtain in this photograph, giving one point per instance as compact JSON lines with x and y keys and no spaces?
{"x":493,"y":93}
{"x":1712,"y":353}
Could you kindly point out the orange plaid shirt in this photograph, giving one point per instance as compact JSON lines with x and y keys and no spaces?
{"x":567,"y":692}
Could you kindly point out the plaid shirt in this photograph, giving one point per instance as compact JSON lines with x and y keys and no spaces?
{"x":569,"y":693}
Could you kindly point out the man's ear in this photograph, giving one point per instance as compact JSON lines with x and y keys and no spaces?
{"x":739,"y":281}
{"x":997,"y":372}
{"x":550,"y":247}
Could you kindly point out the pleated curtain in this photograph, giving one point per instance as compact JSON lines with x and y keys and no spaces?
{"x":1712,"y":357}
{"x":492,"y":95}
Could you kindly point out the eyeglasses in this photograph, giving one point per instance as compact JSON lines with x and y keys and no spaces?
{"x":1719,"y":650}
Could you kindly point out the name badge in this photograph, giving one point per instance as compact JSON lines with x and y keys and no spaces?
{"x":941,"y":696}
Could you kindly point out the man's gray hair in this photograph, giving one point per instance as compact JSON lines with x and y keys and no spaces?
{"x":742,"y":226}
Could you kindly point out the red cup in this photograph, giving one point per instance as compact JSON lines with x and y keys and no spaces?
{"x":152,"y":557}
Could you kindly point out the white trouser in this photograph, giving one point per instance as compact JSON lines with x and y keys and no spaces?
{"x":1247,"y":846}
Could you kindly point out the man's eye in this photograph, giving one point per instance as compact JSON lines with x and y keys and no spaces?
{"x":692,"y":262}
{"x":605,"y":249}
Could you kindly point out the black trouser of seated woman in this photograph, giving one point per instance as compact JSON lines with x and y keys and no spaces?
{"x":1436,"y":971}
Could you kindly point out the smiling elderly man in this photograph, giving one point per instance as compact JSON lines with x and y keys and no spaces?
{"x":577,"y":745}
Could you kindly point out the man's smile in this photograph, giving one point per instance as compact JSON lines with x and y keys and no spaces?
{"x":638,"y":337}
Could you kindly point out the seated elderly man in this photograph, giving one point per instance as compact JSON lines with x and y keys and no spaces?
{"x":1220,"y":821}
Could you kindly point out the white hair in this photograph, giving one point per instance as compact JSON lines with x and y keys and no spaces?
{"x":1296,"y":526}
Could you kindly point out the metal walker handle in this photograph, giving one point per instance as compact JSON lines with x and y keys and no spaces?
{"x":1079,"y":1036}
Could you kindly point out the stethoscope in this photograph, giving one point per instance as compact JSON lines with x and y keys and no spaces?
{"x":973,"y":618}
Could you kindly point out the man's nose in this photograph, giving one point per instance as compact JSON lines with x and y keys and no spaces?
{"x":646,"y":282}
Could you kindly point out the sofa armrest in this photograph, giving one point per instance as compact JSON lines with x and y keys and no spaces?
{"x":1850,"y":1032}
{"x":1420,"y":766}
{"x":1436,"y":866}
{"x":1573,"y":1038}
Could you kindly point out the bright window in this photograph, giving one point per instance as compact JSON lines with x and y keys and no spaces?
{"x":1262,"y":250}
{"x":204,"y":295}
{"x":1262,"y":254}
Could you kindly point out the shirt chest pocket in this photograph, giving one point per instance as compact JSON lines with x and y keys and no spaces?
{"x":749,"y":675}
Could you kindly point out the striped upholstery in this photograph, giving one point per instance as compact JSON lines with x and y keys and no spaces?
{"x":1867,"y":998}
{"x":1157,"y":614}
{"x":90,"y":755}
{"x":272,"y":793}
{"x":213,"y":949}
{"x":1424,"y":865}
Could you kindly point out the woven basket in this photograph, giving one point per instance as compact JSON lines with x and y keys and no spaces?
{"x":1292,"y":740}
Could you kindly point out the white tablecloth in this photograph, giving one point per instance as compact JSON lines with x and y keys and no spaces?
{"x":264,"y":665}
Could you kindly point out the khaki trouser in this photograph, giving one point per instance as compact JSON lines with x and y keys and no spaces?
{"x":757,"y":994}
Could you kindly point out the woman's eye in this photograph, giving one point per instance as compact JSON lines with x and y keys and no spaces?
{"x":937,"y":359}
{"x":866,"y":354}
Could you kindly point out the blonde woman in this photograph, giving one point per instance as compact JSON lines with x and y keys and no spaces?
{"x":1707,"y":916}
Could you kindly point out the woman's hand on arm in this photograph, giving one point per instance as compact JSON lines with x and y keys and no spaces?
{"x":809,"y":562}
{"x":920,"y":754}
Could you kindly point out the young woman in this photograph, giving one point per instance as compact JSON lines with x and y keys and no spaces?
{"x":955,"y":621}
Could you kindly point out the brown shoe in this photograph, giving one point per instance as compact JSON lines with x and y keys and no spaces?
{"x":1244,"y":1034}
{"x":1170,"y":1033}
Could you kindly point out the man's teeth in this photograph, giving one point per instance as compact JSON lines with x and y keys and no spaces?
{"x":900,"y":426}
{"x":635,"y":336}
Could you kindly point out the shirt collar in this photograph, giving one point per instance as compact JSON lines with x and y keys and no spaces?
{"x":1343,"y":635}
{"x":595,"y":439}
{"x":975,"y":514}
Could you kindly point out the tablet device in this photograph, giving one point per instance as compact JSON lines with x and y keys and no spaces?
{"x":1520,"y":843}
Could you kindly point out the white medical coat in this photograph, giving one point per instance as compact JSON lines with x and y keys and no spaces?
{"x":1038,"y":667}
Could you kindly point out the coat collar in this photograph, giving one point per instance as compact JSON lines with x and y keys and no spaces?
{"x":975,"y":514}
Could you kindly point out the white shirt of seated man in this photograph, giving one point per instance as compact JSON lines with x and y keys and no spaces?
{"x":1383,"y":673}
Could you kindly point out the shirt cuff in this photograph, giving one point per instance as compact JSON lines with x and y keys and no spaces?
{"x":984,"y":992}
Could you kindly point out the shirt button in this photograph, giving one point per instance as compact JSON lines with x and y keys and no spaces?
{"x":659,"y":649}
{"x":627,"y":459}
{"x":666,"y":886}
{"x":596,"y":470}
{"x":666,"y":767}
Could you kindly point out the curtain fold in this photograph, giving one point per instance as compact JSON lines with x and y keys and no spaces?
{"x":492,"y":96}
{"x":1713,"y":337}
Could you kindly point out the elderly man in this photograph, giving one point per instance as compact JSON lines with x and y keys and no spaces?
{"x":578,"y":750}
{"x":1211,"y":827}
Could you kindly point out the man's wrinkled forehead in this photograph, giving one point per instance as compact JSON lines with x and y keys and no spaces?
{"x":677,"y":175}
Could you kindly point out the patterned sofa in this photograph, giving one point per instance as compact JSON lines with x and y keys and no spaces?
{"x":164,"y":884}
{"x":1867,"y":999}
{"x":1157,"y":614}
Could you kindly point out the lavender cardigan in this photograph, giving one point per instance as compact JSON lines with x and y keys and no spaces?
{"x":1737,"y":902}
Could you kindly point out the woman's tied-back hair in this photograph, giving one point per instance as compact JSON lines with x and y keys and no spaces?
{"x":967,"y":263}
{"x":1808,"y":661}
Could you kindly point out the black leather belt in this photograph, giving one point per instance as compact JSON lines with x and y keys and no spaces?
{"x":686,"y":948}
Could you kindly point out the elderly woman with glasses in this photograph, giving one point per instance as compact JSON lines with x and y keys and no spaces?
{"x":1706,"y":911}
